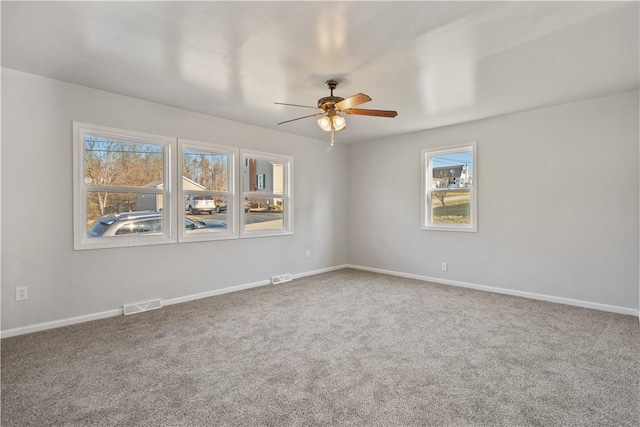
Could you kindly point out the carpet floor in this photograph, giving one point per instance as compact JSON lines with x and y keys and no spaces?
{"x":346,"y":348}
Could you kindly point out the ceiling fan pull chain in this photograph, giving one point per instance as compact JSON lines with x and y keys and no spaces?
{"x":333,"y":134}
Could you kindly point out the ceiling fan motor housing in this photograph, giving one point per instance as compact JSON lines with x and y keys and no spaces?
{"x":328,"y":102}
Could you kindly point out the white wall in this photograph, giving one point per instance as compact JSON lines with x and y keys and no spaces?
{"x":37,"y":239}
{"x":558,"y":204}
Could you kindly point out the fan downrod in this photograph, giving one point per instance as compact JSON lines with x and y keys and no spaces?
{"x":331,"y":84}
{"x":328,"y":102}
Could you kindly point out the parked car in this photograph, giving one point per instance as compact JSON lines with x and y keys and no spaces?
{"x":147,"y":222}
{"x":196,"y":204}
{"x":221,"y":205}
{"x":191,"y":224}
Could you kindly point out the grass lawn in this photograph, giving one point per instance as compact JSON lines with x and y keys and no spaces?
{"x":455,"y":212}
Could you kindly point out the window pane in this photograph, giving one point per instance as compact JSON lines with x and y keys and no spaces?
{"x":197,"y":225}
{"x":114,"y":214}
{"x":450,"y":207}
{"x":205,"y":222}
{"x":263,"y":175}
{"x":265,"y":214}
{"x":452,"y":170}
{"x":199,"y":204}
{"x":204,"y":170}
{"x":107,"y":203}
{"x":138,"y":226}
{"x":112,"y":162}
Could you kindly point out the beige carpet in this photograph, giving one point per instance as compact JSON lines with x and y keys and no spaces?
{"x":346,"y":348}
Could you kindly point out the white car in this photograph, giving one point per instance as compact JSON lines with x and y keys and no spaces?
{"x":199,"y":204}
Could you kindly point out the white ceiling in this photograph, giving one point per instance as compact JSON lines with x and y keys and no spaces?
{"x":436,"y":63}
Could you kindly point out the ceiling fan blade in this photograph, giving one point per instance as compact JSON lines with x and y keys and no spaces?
{"x":377,"y":113}
{"x":357,"y":99}
{"x":299,"y":118}
{"x":296,"y":105}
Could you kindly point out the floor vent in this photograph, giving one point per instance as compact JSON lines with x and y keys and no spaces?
{"x":281,"y":279}
{"x":142,"y":306}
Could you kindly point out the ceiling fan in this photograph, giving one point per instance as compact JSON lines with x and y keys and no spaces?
{"x":331,"y":106}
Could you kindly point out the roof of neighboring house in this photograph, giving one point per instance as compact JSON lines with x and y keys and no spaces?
{"x":159,"y":184}
{"x":154,"y":184}
{"x":448,"y":171}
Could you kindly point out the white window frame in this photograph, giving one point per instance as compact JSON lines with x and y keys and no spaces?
{"x":81,"y":189}
{"x":286,"y":196}
{"x":231,"y":194}
{"x":427,"y":188}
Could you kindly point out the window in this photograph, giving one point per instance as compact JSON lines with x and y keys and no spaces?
{"x":133,"y":189}
{"x":267,"y":194}
{"x":122,"y":191}
{"x":207,"y":185}
{"x":449,"y":200}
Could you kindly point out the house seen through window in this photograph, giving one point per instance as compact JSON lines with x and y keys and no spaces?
{"x":266,"y":190}
{"x":449,"y":181}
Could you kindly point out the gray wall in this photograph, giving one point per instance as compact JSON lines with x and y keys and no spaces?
{"x":558,"y":203}
{"x":37,"y":236}
{"x":558,"y":206}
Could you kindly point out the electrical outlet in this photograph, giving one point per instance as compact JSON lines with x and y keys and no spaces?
{"x":21,"y":293}
{"x":443,"y":266}
{"x":308,"y":253}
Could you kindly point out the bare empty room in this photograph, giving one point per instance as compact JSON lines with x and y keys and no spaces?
{"x":320,"y":213}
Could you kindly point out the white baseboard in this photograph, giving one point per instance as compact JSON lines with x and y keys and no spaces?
{"x":322,"y":270}
{"x":215,"y":292}
{"x":530,"y":295}
{"x":60,"y":323}
{"x":119,"y":311}
{"x":245,"y":286}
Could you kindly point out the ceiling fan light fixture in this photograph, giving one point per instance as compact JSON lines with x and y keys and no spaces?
{"x":325,"y":123}
{"x":339,"y":122}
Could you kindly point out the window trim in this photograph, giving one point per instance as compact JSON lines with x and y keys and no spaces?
{"x":427,"y":155}
{"x":286,"y":196}
{"x":231,"y":194}
{"x":80,"y":189}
